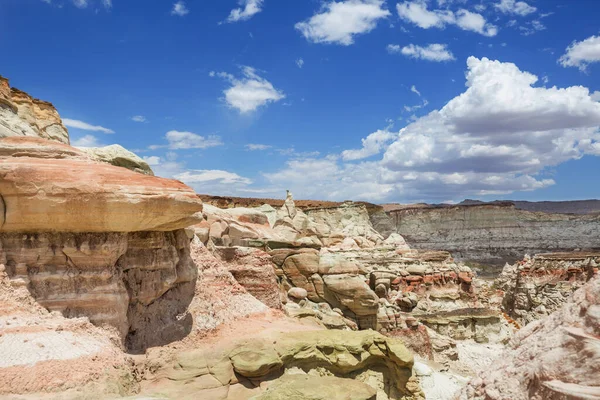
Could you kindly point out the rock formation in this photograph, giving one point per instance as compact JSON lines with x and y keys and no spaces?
{"x":118,"y":156}
{"x":23,"y":115}
{"x":70,"y":194}
{"x":554,"y":358}
{"x":495,"y":234}
{"x":539,"y":285}
{"x":303,"y":365}
{"x":95,"y":240}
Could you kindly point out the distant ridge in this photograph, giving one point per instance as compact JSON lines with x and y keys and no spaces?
{"x":557,"y":207}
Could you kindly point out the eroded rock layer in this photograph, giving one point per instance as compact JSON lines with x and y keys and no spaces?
{"x":540,"y":285}
{"x":70,"y":194}
{"x":495,"y":234}
{"x":138,"y":283}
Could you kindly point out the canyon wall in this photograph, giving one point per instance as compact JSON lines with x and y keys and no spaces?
{"x":495,"y":234}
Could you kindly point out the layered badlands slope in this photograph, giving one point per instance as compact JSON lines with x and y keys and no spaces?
{"x":495,"y":234}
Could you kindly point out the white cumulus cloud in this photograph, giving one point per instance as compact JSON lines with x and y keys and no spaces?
{"x":139,"y":118}
{"x":515,"y":7}
{"x":581,"y":54}
{"x":339,"y":22}
{"x":371,"y":145}
{"x":249,"y":92}
{"x":248,"y":9}
{"x":417,"y":12}
{"x":499,"y":136}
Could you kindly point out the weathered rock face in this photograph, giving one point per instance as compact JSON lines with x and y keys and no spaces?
{"x":74,"y":195}
{"x":554,"y":358}
{"x":538,"y":286}
{"x":139,"y":283}
{"x":118,"y":156}
{"x":253,"y":269}
{"x":376,"y":288}
{"x":495,"y":234}
{"x":22,"y":115}
{"x":348,"y":220}
{"x":303,"y":365}
{"x":95,"y":240}
{"x":218,"y":299}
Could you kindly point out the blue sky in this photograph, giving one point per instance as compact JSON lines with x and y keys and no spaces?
{"x":403,"y":101}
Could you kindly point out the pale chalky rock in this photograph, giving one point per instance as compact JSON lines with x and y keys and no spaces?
{"x":118,"y":156}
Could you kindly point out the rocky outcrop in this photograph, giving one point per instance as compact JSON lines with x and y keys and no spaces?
{"x":553,"y":358}
{"x":41,"y":194}
{"x":540,"y":285}
{"x":88,"y":239}
{"x":253,"y":269}
{"x":349,"y":220}
{"x":495,"y":234}
{"x":306,"y":365}
{"x":118,"y":156}
{"x":23,"y":115}
{"x":376,"y":288}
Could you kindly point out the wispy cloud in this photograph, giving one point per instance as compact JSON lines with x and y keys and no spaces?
{"x":73,"y":123}
{"x":188,"y":140}
{"x":139,"y":118}
{"x":434,"y":52}
{"x":581,"y":54}
{"x":254,"y":147}
{"x":180,"y":9}
{"x":300,"y":62}
{"x":86,"y":141}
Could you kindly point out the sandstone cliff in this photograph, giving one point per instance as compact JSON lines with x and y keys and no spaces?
{"x":23,"y":115}
{"x":495,"y":234}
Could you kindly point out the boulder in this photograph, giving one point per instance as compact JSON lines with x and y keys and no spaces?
{"x":297,"y":293}
{"x":118,"y":156}
{"x":352,"y":293}
{"x":255,"y":359}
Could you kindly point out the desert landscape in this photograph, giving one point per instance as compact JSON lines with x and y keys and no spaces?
{"x":299,"y":200}
{"x":115,"y":283}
